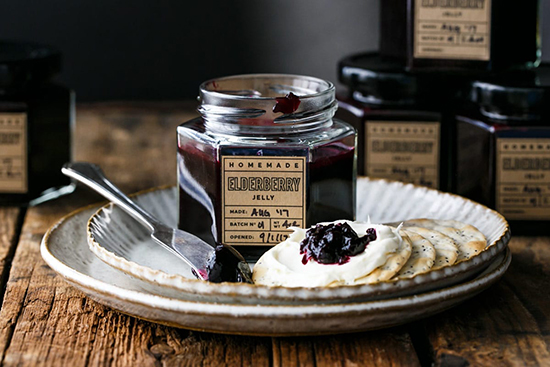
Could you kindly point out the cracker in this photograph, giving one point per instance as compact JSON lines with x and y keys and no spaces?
{"x":469,"y":239}
{"x":422,"y":257}
{"x":446,"y":250}
{"x":393,"y":264}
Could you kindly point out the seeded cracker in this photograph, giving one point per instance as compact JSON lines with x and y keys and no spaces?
{"x":394,"y":263}
{"x":422,"y":257}
{"x":469,"y":239}
{"x":446,"y":250}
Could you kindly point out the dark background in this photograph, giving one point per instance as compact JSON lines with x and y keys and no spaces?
{"x":163,"y":50}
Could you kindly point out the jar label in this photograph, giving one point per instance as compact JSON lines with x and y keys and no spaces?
{"x":452,"y":29}
{"x":406,"y":151}
{"x":13,"y":152}
{"x":523,"y":178}
{"x":261,"y":198}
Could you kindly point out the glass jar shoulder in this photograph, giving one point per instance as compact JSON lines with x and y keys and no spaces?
{"x":288,"y":137}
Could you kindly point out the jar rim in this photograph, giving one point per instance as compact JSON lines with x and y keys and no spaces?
{"x":204,"y":90}
{"x":267,"y":100}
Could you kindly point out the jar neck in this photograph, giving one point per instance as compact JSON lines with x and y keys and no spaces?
{"x":267,"y":104}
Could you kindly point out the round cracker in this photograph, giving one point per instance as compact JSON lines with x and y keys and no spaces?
{"x":422,"y":257}
{"x":393,"y":264}
{"x":469,"y":239}
{"x":446,"y":250}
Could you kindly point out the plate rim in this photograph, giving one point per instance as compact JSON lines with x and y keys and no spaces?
{"x":121,"y":299}
{"x":73,"y":275}
{"x":459,"y":268}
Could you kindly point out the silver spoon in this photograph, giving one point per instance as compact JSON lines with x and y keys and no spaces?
{"x":220,"y":264}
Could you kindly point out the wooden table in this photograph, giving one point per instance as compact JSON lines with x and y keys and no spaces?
{"x":44,"y":321}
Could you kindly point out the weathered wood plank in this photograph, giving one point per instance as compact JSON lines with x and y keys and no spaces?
{"x":391,"y":347}
{"x":9,"y":233}
{"x":203,"y":349}
{"x":508,"y":324}
{"x":135,"y":144}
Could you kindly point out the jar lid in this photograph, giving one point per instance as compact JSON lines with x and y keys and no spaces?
{"x":378,"y":80}
{"x":21,"y":63}
{"x":522,"y":94}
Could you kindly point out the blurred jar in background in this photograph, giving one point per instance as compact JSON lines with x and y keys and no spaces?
{"x":403,"y":119}
{"x":36,"y":115}
{"x":472,"y":34}
{"x":503,"y":150}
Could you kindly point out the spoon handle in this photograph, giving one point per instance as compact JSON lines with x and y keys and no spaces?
{"x":92,"y":176}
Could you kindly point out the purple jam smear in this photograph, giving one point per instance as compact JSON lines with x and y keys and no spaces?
{"x":334,"y":243}
{"x":227,"y":265}
{"x":287,"y":104}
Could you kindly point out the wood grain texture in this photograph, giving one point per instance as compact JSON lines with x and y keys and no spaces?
{"x":391,"y":347}
{"x":135,"y":143}
{"x":9,"y":233}
{"x":508,"y":324}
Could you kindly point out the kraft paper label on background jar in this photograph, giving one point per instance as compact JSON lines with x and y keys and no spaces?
{"x":13,"y":152}
{"x":463,"y":35}
{"x":266,"y":154}
{"x":403,"y":151}
{"x":35,"y":125}
{"x":503,"y":154}
{"x":523,"y":178}
{"x":403,"y":120}
{"x":452,"y":29}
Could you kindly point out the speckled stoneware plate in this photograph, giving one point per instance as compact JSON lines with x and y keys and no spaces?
{"x":65,"y":250}
{"x":123,"y":243}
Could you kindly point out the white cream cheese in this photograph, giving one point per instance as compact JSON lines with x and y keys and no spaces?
{"x":282,"y":265}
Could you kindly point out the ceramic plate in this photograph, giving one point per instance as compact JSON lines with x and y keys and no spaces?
{"x":65,"y":250}
{"x":123,"y":243}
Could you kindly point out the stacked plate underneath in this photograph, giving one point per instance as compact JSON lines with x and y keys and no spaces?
{"x":110,"y":257}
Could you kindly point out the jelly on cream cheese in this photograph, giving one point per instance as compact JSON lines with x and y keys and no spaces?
{"x":282,"y":265}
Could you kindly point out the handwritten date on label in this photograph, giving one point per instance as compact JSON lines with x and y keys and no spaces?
{"x":260,"y":213}
{"x":273,"y":237}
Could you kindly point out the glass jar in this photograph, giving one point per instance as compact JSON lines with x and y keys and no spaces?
{"x":503,"y":152}
{"x":266,"y":154}
{"x":402,"y":118}
{"x":36,"y":115}
{"x":465,"y":34}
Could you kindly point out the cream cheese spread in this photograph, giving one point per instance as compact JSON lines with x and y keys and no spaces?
{"x":282,"y":265}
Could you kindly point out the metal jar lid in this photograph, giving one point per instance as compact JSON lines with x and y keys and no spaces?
{"x":517,"y":94}
{"x":377,"y":80}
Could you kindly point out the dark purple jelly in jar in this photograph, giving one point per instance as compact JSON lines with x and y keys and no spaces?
{"x":248,"y":170}
{"x":36,"y":115}
{"x":403,"y":119}
{"x":460,"y":35}
{"x":503,"y":147}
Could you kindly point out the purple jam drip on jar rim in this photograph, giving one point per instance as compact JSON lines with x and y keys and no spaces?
{"x":334,"y":243}
{"x":287,"y":104}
